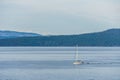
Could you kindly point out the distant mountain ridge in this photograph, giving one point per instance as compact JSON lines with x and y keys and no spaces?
{"x":14,"y":34}
{"x":109,"y":37}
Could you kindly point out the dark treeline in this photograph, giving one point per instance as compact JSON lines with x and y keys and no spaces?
{"x":106,"y":38}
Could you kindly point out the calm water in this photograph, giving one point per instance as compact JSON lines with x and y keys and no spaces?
{"x":56,"y":63}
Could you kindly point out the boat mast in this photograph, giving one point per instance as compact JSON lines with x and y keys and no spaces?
{"x":76,"y":56}
{"x":77,"y":61}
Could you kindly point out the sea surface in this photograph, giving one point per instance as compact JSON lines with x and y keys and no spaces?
{"x":56,"y":63}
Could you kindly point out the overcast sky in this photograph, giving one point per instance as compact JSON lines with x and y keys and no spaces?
{"x":59,"y":16}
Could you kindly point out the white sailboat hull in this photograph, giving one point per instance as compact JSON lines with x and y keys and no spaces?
{"x":78,"y":62}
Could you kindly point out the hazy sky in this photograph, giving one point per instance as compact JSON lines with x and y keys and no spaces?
{"x":59,"y":16}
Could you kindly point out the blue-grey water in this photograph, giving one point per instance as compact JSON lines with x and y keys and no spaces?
{"x":56,"y":63}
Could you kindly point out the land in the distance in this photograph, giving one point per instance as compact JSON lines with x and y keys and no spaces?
{"x":108,"y":38}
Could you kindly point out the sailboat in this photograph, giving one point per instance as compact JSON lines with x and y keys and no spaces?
{"x":77,"y":61}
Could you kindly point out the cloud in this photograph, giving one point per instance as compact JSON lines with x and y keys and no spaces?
{"x":106,"y":10}
{"x":71,"y":13}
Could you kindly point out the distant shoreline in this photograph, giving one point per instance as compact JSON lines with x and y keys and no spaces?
{"x":108,"y":38}
{"x":67,"y":46}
